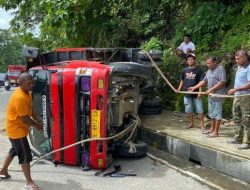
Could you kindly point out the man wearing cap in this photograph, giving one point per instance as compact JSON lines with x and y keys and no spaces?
{"x":185,"y":47}
{"x":191,"y":76}
{"x":215,"y":80}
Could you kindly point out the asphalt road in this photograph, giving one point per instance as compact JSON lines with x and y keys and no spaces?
{"x":150,"y":176}
{"x":4,"y":98}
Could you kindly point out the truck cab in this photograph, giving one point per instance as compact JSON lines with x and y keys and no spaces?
{"x":84,"y":93}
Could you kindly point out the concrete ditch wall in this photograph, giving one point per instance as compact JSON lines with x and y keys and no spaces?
{"x":225,"y":163}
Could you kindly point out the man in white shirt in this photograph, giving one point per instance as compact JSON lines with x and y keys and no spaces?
{"x":185,"y":47}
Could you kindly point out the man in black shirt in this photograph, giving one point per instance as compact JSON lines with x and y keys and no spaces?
{"x":191,"y":76}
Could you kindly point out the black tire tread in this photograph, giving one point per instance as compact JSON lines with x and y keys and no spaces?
{"x":152,"y":103}
{"x":131,"y":68}
{"x":150,"y":111}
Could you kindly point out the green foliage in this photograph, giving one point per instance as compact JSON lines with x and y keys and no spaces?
{"x":212,"y":24}
{"x":207,"y":24}
{"x":205,"y":103}
{"x":29,"y":39}
{"x":153,"y":44}
{"x":10,"y":50}
{"x":179,"y":106}
{"x":167,"y":94}
{"x":227,"y":108}
{"x":238,"y":36}
{"x":93,"y":23}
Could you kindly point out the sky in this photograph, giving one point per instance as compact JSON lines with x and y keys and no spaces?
{"x":4,"y":19}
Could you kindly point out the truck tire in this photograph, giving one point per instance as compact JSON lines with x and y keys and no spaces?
{"x":122,"y":150}
{"x":148,"y":63}
{"x":7,"y":88}
{"x":150,"y":111}
{"x":7,"y":85}
{"x":131,"y":68}
{"x":155,"y":55}
{"x":152,"y":103}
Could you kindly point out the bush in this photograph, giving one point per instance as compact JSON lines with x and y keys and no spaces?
{"x":227,"y":108}
{"x":172,"y":69}
{"x":153,"y":44}
{"x":238,"y":36}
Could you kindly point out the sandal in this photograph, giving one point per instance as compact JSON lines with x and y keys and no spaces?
{"x":31,"y":187}
{"x":203,"y":129}
{"x":206,"y":132}
{"x":5,"y":176}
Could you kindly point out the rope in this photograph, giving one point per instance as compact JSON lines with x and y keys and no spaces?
{"x":137,"y":123}
{"x":125,"y":131}
{"x":132,"y":147}
{"x":187,"y":92}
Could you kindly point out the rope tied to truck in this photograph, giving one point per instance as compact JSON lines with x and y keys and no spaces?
{"x":132,"y":147}
{"x":188,"y":92}
{"x":135,"y":123}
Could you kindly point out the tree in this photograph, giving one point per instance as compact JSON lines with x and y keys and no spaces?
{"x":99,"y":23}
{"x":62,"y":22}
{"x":125,"y":23}
{"x":10,"y":50}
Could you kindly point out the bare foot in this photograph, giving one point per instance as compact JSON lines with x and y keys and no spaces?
{"x":211,"y":135}
{"x":31,"y":186}
{"x":189,"y":126}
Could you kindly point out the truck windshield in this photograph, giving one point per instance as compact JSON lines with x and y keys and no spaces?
{"x":14,"y":73}
{"x":41,"y":141}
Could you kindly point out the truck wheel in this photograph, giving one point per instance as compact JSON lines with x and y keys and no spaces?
{"x":7,"y":88}
{"x":150,"y":111}
{"x":148,"y":63}
{"x":152,"y":103}
{"x":155,"y":55}
{"x":122,"y":150}
{"x":7,"y":85}
{"x":131,"y":68}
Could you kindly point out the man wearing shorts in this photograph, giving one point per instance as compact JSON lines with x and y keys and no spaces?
{"x":191,"y":76}
{"x":215,"y":79}
{"x":19,"y":118}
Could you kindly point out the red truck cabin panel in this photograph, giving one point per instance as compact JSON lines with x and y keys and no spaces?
{"x":79,"y":91}
{"x":99,"y":97}
{"x":55,"y":128}
{"x":68,"y":95}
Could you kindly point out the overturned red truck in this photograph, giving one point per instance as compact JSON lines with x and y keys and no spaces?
{"x":83,"y":93}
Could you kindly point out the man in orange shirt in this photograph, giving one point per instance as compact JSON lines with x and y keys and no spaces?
{"x":19,"y":118}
